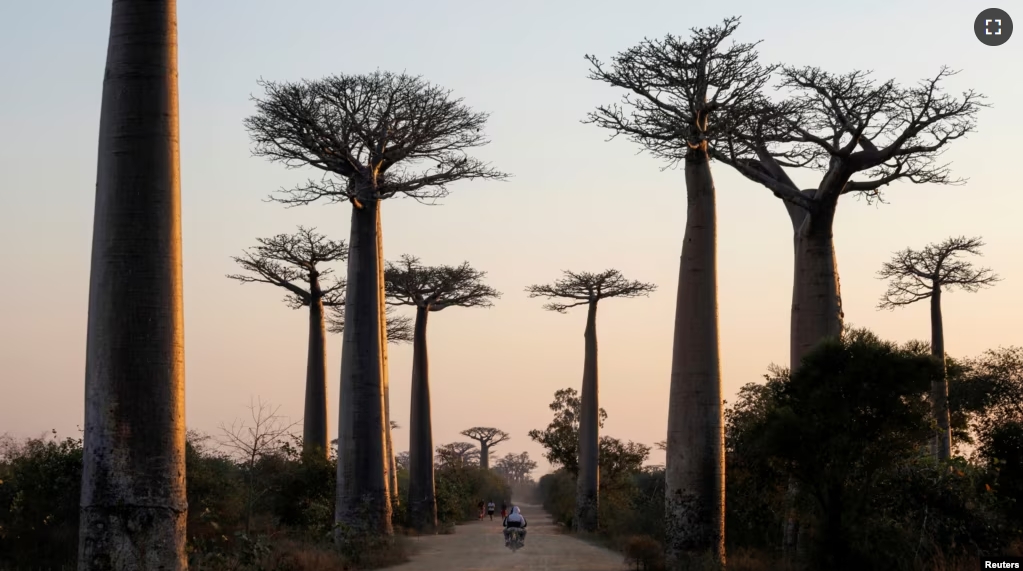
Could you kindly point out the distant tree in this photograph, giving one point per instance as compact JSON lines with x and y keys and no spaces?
{"x":922,"y":274}
{"x":457,"y":455}
{"x":134,"y":441}
{"x":429,"y":289}
{"x":682,"y":95}
{"x":515,"y":467}
{"x":487,"y":438}
{"x":294,"y":262}
{"x":588,"y":289}
{"x":620,"y":460}
{"x":561,"y":437}
{"x":374,"y":136}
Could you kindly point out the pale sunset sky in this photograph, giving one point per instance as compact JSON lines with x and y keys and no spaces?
{"x":575,"y":201}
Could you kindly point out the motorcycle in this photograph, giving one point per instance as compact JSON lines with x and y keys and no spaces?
{"x":514,"y":539}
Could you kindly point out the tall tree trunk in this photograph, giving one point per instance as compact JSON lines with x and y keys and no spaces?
{"x":422,"y":503}
{"x":816,"y":295}
{"x":816,"y":310}
{"x":314,"y":426}
{"x":133,"y":505}
{"x":363,"y":499}
{"x":939,"y":388}
{"x":392,"y":466}
{"x":484,"y":454}
{"x":695,"y":469}
{"x":588,"y":482}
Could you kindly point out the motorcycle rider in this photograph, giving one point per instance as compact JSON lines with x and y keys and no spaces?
{"x":515,"y":520}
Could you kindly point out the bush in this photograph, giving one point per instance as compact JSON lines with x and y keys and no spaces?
{"x":460,"y":489}
{"x":40,"y":485}
{"x":643,"y":552}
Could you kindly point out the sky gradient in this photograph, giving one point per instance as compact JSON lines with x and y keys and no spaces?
{"x":574,"y":202}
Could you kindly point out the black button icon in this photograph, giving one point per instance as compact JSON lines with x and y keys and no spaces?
{"x":993,"y":27}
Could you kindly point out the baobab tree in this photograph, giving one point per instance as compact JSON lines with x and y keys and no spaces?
{"x":585,"y":288}
{"x":682,"y":95}
{"x":133,"y":506}
{"x":917,"y":275}
{"x":428,"y":289}
{"x":294,"y":262}
{"x":373,"y":136}
{"x":399,"y":330}
{"x":861,"y":136}
{"x":458,"y":455}
{"x":488,"y":438}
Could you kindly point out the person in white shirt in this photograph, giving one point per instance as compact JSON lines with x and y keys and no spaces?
{"x":490,"y":510}
{"x":514,"y":520}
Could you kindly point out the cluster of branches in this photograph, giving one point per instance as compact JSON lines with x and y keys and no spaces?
{"x":457,"y":455}
{"x":918,"y":274}
{"x":582,"y":288}
{"x":391,"y":133}
{"x":409,"y":282}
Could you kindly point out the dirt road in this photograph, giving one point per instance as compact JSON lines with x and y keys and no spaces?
{"x":479,"y":546}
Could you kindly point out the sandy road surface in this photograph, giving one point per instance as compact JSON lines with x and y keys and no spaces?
{"x":479,"y":546}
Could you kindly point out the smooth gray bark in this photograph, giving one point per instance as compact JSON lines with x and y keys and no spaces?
{"x":314,"y":424}
{"x":695,"y":469}
{"x":588,"y":483}
{"x":422,"y":503}
{"x":133,"y":505}
{"x":484,"y":454}
{"x":363,"y":496}
{"x":939,"y":388}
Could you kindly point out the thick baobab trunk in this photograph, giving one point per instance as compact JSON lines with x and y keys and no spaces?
{"x":588,"y":482}
{"x":422,"y":503}
{"x":816,"y":314}
{"x":939,"y":388}
{"x":363,"y":499}
{"x":695,"y":469}
{"x":314,"y":426}
{"x":816,"y":295}
{"x":133,"y":505}
{"x":392,"y":466}
{"x":484,"y":455}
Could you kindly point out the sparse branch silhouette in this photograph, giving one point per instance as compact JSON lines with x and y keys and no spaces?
{"x":583,"y":288}
{"x":373,"y":136}
{"x":399,"y":327}
{"x":915,"y":275}
{"x":295,"y":262}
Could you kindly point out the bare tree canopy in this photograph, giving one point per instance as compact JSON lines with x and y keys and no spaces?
{"x":287,"y":260}
{"x":849,"y":124}
{"x":458,"y":455}
{"x":399,"y":327}
{"x":409,"y":282}
{"x":486,"y":436}
{"x":585,"y":287}
{"x":683,"y":93}
{"x":916,"y":274}
{"x":391,"y":133}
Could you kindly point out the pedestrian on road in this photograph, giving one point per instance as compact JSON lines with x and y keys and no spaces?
{"x":480,"y":506}
{"x":490,"y":510}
